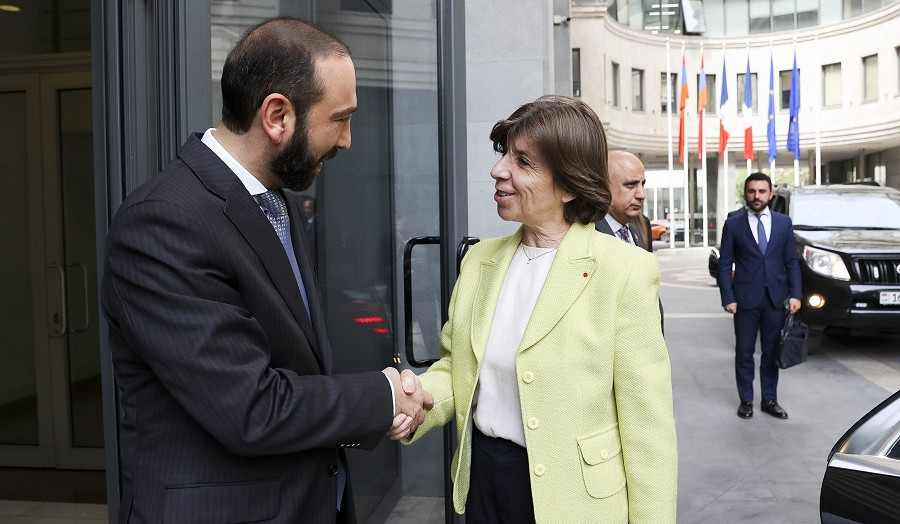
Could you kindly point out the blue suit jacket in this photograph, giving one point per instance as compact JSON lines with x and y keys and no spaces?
{"x":777,"y":272}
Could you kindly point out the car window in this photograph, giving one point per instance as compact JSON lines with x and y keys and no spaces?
{"x":846,"y":210}
{"x":894,"y":453}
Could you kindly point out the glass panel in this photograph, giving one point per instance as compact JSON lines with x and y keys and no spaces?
{"x":741,"y":83}
{"x":715,"y":18}
{"x":760,"y":16}
{"x":737,"y":20}
{"x":852,"y":8}
{"x":785,"y":79}
{"x":830,"y":11}
{"x":712,"y":90}
{"x":18,"y":387}
{"x":637,"y":89}
{"x":576,"y":72}
{"x":870,"y":77}
{"x":46,"y":27}
{"x":370,"y":200}
{"x":636,"y":14}
{"x":831,"y":85}
{"x":83,"y":340}
{"x":615,"y":84}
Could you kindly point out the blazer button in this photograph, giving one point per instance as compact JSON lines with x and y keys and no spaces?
{"x":332,"y":471}
{"x":604,"y":454}
{"x":533,"y":423}
{"x":539,"y":470}
{"x":528,"y":377}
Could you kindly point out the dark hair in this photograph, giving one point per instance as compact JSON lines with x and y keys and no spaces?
{"x":570,"y":139}
{"x":757,"y":176}
{"x":275,"y":56}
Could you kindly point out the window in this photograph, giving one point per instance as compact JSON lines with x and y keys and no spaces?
{"x":870,"y":78}
{"x":760,"y":16}
{"x":672,"y":94}
{"x":712,"y":95}
{"x":637,"y":89}
{"x":615,"y":84}
{"x":576,"y":71}
{"x":831,"y":85}
{"x":785,"y":78}
{"x":754,"y":91}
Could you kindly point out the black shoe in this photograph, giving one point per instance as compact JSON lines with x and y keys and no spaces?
{"x":772,"y":408}
{"x":745,"y":410}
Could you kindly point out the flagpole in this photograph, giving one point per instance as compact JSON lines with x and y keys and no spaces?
{"x":702,"y":111}
{"x":686,"y":176}
{"x":671,"y":99}
{"x":793,"y":123}
{"x":747,"y":82}
{"x":724,"y":208}
{"x":770,"y":135}
{"x":818,"y":115}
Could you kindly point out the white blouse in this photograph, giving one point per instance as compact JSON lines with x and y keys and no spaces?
{"x":497,"y":409}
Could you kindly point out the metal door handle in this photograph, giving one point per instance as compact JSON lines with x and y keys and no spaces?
{"x":62,"y":292}
{"x":87,"y":309}
{"x":407,"y":298}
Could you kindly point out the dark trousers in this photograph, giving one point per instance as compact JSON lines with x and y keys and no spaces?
{"x":767,"y":321}
{"x":499,"y":483}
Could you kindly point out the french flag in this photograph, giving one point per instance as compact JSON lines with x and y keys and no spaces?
{"x":748,"y":115}
{"x":726,"y":112}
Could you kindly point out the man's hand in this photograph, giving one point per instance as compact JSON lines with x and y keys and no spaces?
{"x":795,"y":305}
{"x":731,"y":308}
{"x":411,"y":401}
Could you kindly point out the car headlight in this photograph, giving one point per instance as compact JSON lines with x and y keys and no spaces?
{"x":825,"y":263}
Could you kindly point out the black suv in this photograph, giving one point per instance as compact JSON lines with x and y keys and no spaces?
{"x":848,"y":238}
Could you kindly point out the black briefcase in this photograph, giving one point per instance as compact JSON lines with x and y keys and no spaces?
{"x":793,"y":343}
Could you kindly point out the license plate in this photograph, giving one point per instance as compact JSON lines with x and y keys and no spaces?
{"x":889,"y":298}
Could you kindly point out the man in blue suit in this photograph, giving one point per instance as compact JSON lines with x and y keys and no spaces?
{"x":759,"y":244}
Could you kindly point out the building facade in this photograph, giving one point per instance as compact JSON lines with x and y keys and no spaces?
{"x":847,"y":55}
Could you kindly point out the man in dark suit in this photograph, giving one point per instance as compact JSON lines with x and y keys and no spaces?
{"x":626,"y":183}
{"x":760,"y":244}
{"x":228,"y":408}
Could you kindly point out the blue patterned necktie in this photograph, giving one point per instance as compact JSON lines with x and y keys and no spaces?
{"x":761,"y":234}
{"x":276,"y":211}
{"x":624,"y":234}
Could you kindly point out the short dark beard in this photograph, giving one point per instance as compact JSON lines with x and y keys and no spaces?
{"x":293,"y":165}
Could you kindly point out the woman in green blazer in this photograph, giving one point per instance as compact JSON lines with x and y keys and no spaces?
{"x":552,"y":360}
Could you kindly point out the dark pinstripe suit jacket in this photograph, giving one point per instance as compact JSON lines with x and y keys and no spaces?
{"x":228,"y":409}
{"x":603,"y":226}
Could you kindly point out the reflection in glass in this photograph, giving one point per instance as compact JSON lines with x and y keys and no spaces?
{"x":46,"y":27}
{"x":369,"y":200}
{"x":79,"y":244}
{"x":18,"y":388}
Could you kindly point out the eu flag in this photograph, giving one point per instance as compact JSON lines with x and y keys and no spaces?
{"x":770,"y":132}
{"x":793,"y":136}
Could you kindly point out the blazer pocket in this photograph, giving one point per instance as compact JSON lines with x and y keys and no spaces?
{"x":230,"y":503}
{"x":601,"y":463}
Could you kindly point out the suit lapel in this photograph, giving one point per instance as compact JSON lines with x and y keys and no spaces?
{"x":491,"y":275}
{"x":244,"y":212}
{"x":572,"y":269}
{"x":603,"y":226}
{"x":310,"y":283}
{"x":636,"y":235}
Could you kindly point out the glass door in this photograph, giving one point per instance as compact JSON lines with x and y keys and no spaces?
{"x":50,"y":403}
{"x":367,"y":204}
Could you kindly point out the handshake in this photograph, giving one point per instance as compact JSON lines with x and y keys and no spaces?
{"x":411,"y":401}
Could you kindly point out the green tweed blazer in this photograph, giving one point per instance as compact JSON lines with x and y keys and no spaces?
{"x":593,"y":375}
